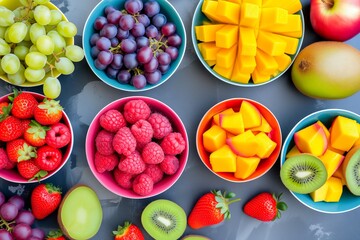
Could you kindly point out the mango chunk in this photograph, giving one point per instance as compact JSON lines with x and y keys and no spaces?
{"x":246,"y":64}
{"x":273,"y":16}
{"x":256,"y":2}
{"x":226,"y":57}
{"x":228,"y":11}
{"x":319,"y":194}
{"x":250,"y":115}
{"x":259,"y":77}
{"x":265,"y":63}
{"x":335,"y":189}
{"x":234,"y":1}
{"x":271,"y":43}
{"x":232,"y":123}
{"x":210,"y":62}
{"x":244,"y":144}
{"x":209,"y":8}
{"x":247,"y":42}
{"x":357,"y":142}
{"x":332,"y":161}
{"x":264,"y":127}
{"x":339,"y":174}
{"x":292,"y":6}
{"x":245,"y":166}
{"x":214,"y":138}
{"x":227,"y":36}
{"x":294,"y":25}
{"x":326,"y":130}
{"x":216,"y":117}
{"x":224,"y":72}
{"x":208,"y":50}
{"x":265,"y":145}
{"x":238,"y":75}
{"x":291,"y":43}
{"x":283,"y":61}
{"x":343,"y":133}
{"x":223,"y":160}
{"x":207,"y":33}
{"x":293,"y":152}
{"x":311,"y":139}
{"x":249,"y":15}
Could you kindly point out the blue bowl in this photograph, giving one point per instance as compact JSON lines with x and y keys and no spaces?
{"x":172,"y":16}
{"x":199,"y":19}
{"x":348,"y":201}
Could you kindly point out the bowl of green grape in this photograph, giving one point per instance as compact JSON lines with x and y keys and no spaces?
{"x":36,"y":45}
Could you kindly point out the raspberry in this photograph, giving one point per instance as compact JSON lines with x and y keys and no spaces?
{"x":123,"y":179}
{"x":105,"y":163}
{"x":103,"y":142}
{"x":132,"y":164}
{"x":124,"y":142}
{"x":152,"y":153}
{"x":170,"y":164}
{"x":160,"y":124}
{"x":112,"y":120}
{"x":173,"y":143}
{"x":155,"y":172}
{"x":142,"y":131}
{"x":143,"y":184}
{"x":135,"y":110}
{"x":3,"y":158}
{"x":58,"y":135}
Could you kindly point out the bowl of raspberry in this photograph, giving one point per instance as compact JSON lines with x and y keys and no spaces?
{"x":36,"y":137}
{"x":134,"y":45}
{"x":137,"y":147}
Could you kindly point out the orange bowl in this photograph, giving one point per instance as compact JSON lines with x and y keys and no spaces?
{"x":206,"y":122}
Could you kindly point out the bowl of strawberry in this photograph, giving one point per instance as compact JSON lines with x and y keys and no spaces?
{"x":137,"y":147}
{"x":36,"y":137}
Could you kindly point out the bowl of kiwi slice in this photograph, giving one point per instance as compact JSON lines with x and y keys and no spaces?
{"x":320,"y":161}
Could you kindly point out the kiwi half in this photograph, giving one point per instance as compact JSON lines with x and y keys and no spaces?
{"x":303,"y":173}
{"x":351,"y":170}
{"x":164,"y":220}
{"x":195,"y":237}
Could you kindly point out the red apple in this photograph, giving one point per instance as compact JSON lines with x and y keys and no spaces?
{"x":337,"y":20}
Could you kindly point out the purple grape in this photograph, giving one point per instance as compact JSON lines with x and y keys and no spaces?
{"x":34,"y":238}
{"x":109,"y":31}
{"x":103,"y":44}
{"x":151,"y":8}
{"x":37,"y":232}
{"x":2,"y":198}
{"x":130,"y":61}
{"x":5,"y":235}
{"x":153,"y":77}
{"x":138,"y":81}
{"x":128,"y":45}
{"x":151,"y":31}
{"x":163,"y":68}
{"x":164,"y":58}
{"x":94,"y":51}
{"x":100,"y":22}
{"x":114,"y":42}
{"x":117,"y":61}
{"x":174,"y":40}
{"x":151,"y":66}
{"x":18,"y":201}
{"x":133,"y":6}
{"x":21,"y":231}
{"x":138,"y":30}
{"x":144,"y":19}
{"x":111,"y":72}
{"x":122,"y":34}
{"x":144,"y":55}
{"x":94,"y":38}
{"x":114,"y":17}
{"x":105,"y":57}
{"x":8,"y":211}
{"x":109,"y":9}
{"x":126,"y":22}
{"x":142,"y":42}
{"x":25,"y":216}
{"x":98,"y":65}
{"x":173,"y":52}
{"x":124,"y":76}
{"x":168,"y":29}
{"x":159,"y":20}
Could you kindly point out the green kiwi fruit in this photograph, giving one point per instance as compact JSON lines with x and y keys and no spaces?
{"x":351,"y":170}
{"x":303,"y":173}
{"x":163,"y":220}
{"x":195,"y":237}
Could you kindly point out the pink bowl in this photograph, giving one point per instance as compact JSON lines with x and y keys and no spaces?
{"x":106,"y":179}
{"x":12,"y":175}
{"x":205,"y":123}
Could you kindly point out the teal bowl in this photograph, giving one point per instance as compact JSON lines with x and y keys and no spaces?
{"x":199,"y":19}
{"x":348,"y":201}
{"x":172,"y":16}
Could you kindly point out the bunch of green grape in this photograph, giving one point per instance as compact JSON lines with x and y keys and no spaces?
{"x":33,"y":42}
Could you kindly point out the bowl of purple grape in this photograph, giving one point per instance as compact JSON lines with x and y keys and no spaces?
{"x":134,"y":45}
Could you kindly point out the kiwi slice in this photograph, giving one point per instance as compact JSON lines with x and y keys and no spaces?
{"x":303,"y":173}
{"x":195,"y":237}
{"x":351,"y":170}
{"x":164,"y":219}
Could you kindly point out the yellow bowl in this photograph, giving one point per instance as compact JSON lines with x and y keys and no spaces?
{"x":13,"y":4}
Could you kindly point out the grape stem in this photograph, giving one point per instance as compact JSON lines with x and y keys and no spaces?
{"x":7,"y":225}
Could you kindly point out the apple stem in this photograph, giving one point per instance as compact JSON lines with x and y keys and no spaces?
{"x":330,"y":3}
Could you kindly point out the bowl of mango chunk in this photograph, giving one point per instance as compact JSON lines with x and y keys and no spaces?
{"x":249,"y":43}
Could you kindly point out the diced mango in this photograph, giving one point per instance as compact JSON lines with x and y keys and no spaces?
{"x":273,"y":16}
{"x":223,"y":160}
{"x":249,"y":15}
{"x":283,"y":61}
{"x":294,"y":25}
{"x":227,"y":36}
{"x":234,"y":1}
{"x":266,"y":63}
{"x":226,"y":57}
{"x":238,"y":75}
{"x":246,"y":64}
{"x":209,"y":8}
{"x":256,"y":2}
{"x":266,"y":146}
{"x":208,"y":50}
{"x":339,"y":174}
{"x":247,"y":42}
{"x":207,"y":33}
{"x":214,"y":138}
{"x":326,"y":130}
{"x":224,"y":72}
{"x":335,"y":189}
{"x":332,"y":160}
{"x":228,"y":11}
{"x":295,"y":34}
{"x":216,"y":117}
{"x":319,"y":194}
{"x":232,"y":123}
{"x":245,"y":166}
{"x":357,"y":142}
{"x":292,"y":6}
{"x":250,"y":115}
{"x":311,"y":139}
{"x":343,"y":133}
{"x":291,"y":43}
{"x":210,"y":62}
{"x":293,"y":152}
{"x":270,"y":43}
{"x":259,"y":77}
{"x":244,"y":144}
{"x":264,"y":127}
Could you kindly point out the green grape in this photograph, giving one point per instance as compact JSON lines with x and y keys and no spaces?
{"x":35,"y":60}
{"x":17,"y":12}
{"x":33,"y":75}
{"x":27,"y":36}
{"x":45,"y":45}
{"x":7,"y":17}
{"x":25,"y":3}
{"x":42,"y":15}
{"x":21,"y":51}
{"x":17,"y":32}
{"x":59,"y":41}
{"x":10,"y":63}
{"x":4,"y":47}
{"x":6,"y":37}
{"x":36,"y":30}
{"x":17,"y":78}
{"x":33,"y":48}
{"x":74,"y":53}
{"x":2,"y":72}
{"x":67,"y":29}
{"x":52,"y":87}
{"x":64,"y":66}
{"x":2,"y":32}
{"x":56,"y":17}
{"x":41,"y":1}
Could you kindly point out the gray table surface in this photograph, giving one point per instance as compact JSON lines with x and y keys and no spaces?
{"x":191,"y":91}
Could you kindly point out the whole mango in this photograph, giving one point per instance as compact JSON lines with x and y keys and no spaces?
{"x":327,"y":70}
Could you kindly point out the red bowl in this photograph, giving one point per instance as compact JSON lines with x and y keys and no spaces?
{"x":12,"y":175}
{"x":206,"y":122}
{"x":107,"y":179}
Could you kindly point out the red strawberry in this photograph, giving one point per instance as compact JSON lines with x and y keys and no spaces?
{"x":58,"y":135}
{"x":23,"y":105}
{"x":128,"y":232}
{"x":10,"y":128}
{"x":48,"y":158}
{"x":35,"y":134}
{"x":44,"y":200}
{"x":48,"y":112}
{"x":29,"y":170}
{"x":55,"y":235}
{"x":265,"y":207}
{"x":212,"y":208}
{"x":19,"y":150}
